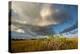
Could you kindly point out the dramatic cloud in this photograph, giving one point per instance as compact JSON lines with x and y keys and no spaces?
{"x":39,"y":19}
{"x":40,"y":14}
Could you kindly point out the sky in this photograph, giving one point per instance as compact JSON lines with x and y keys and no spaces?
{"x":34,"y":18}
{"x":70,"y":22}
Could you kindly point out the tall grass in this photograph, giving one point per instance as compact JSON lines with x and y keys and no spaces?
{"x":52,"y":43}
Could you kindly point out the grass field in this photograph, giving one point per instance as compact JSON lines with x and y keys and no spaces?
{"x":29,"y":45}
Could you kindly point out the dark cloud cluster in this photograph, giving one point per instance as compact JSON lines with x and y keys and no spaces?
{"x":37,"y":13}
{"x":40,"y":18}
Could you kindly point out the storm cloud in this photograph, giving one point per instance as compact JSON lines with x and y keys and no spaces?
{"x":34,"y":19}
{"x":39,"y":13}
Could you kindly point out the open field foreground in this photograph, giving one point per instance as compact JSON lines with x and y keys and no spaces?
{"x":29,"y":45}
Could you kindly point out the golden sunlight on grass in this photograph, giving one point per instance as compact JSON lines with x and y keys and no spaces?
{"x":43,"y":44}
